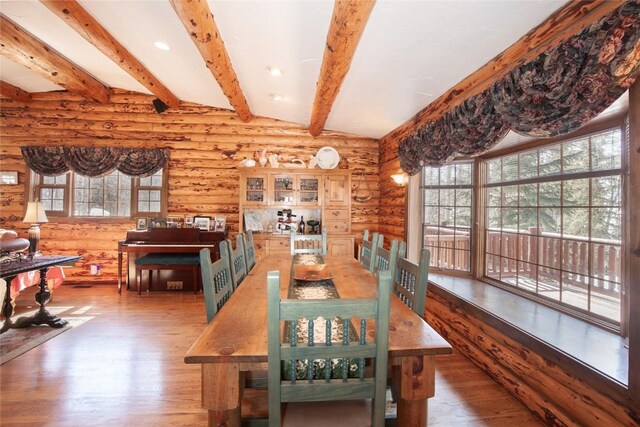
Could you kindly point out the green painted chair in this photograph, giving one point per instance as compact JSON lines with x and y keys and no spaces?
{"x":236,"y":259}
{"x":410,"y":282}
{"x":216,"y":282}
{"x":309,"y":243}
{"x":249,"y":250}
{"x":364,"y":384}
{"x":369,"y":248}
{"x":386,"y":260}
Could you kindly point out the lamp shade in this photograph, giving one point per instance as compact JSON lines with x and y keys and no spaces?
{"x":35,"y":213}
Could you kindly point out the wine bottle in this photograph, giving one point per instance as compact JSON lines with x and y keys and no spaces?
{"x":301,"y":225}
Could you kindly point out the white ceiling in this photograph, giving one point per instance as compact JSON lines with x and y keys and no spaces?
{"x":411,"y":52}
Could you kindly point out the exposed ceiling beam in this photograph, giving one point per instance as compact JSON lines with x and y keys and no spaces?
{"x":13,"y":92}
{"x":199,"y":23}
{"x":561,"y":25}
{"x":347,"y":25}
{"x":80,"y":20}
{"x":23,"y":48}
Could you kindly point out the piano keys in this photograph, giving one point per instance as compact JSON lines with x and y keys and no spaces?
{"x":165,"y":240}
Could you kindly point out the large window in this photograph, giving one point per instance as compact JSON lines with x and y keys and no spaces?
{"x":553,"y":223}
{"x":447,"y":195}
{"x":114,"y":195}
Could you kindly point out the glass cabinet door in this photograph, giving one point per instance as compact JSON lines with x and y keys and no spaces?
{"x":309,"y":190}
{"x":283,"y":190}
{"x":256,"y":190}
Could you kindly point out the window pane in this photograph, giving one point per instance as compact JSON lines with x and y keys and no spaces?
{"x":510,"y":167}
{"x":510,"y":195}
{"x":447,"y":197}
{"x":528,"y":218}
{"x":431,"y":197}
{"x":575,"y":222}
{"x":463,"y":174}
{"x":575,"y":192}
{"x":606,"y":223}
{"x":550,"y":193}
{"x":575,"y":288}
{"x":154,"y":195}
{"x":549,"y":283}
{"x":605,"y":191}
{"x":575,"y":156}
{"x":528,"y":195}
{"x":493,"y":218}
{"x":510,"y":219}
{"x":549,"y":220}
{"x":432,"y":216}
{"x":528,"y":164}
{"x":550,"y":160}
{"x":463,"y":217}
{"x":606,"y":151}
{"x":494,"y":170}
{"x":494,"y":196}
{"x":463,"y":197}
{"x":448,"y":175}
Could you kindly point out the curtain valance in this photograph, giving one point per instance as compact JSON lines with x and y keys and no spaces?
{"x":552,"y":95}
{"x":95,"y":161}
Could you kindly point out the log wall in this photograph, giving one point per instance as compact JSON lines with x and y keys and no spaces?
{"x":206,"y":146}
{"x":392,"y":196}
{"x":547,"y":388}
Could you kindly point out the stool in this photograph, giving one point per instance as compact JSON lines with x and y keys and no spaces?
{"x":160,"y":262}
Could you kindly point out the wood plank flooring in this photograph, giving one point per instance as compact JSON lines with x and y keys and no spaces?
{"x":124,"y":367}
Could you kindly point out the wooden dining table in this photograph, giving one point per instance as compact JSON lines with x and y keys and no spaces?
{"x":235,"y":342}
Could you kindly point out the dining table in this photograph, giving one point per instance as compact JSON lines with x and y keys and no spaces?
{"x":234,"y":343}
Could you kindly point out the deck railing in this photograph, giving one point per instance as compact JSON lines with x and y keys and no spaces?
{"x":535,"y":255}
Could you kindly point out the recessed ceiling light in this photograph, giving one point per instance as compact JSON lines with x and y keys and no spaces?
{"x":277,"y":97}
{"x":275,"y":71}
{"x":162,"y":45}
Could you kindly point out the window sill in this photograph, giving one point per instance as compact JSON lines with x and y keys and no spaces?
{"x":559,"y":337}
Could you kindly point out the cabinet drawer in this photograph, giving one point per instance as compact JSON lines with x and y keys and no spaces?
{"x":336,"y":226}
{"x":332,"y":214}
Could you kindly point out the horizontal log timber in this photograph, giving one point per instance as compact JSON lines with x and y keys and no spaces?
{"x":202,"y":167}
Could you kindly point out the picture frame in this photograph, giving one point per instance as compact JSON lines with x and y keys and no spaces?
{"x":202,"y":222}
{"x":142,"y":223}
{"x":174,"y":222}
{"x":219,"y":223}
{"x":158,"y":223}
{"x":188,"y":221}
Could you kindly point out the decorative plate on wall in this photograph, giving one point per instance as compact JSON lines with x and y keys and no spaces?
{"x":328,"y":158}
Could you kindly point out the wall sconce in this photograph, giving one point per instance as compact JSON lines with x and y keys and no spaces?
{"x":400,"y":178}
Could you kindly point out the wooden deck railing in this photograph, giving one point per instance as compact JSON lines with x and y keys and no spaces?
{"x":552,"y":256}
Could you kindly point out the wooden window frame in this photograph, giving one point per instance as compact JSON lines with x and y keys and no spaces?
{"x":480,"y":206}
{"x":34,"y":183}
{"x":472,"y":224}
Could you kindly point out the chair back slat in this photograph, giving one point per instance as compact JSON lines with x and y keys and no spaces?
{"x":386,"y":259}
{"x":309,"y":243}
{"x":410,"y":282}
{"x":216,"y":282}
{"x":369,"y":249}
{"x":236,"y":259}
{"x":249,"y":250}
{"x":330,"y":370}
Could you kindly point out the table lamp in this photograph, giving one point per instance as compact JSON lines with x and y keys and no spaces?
{"x":35,"y":214}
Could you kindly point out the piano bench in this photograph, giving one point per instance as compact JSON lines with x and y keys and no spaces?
{"x":160,"y":262}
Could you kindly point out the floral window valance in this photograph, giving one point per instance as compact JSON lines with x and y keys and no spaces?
{"x":95,"y":161}
{"x":552,"y":95}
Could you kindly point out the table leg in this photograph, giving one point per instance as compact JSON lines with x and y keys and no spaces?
{"x":222,"y":387}
{"x":119,"y":272}
{"x":7,"y":306}
{"x":42,"y":316}
{"x":415,"y":379}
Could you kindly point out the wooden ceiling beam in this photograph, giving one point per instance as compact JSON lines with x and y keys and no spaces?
{"x":23,"y":48}
{"x":347,"y":25}
{"x":84,"y":24}
{"x":14,"y":92}
{"x":199,"y":23}
{"x":561,"y":25}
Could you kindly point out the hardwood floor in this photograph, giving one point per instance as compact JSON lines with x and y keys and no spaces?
{"x":124,"y":367}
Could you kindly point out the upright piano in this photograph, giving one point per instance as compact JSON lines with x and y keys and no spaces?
{"x":165,"y":240}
